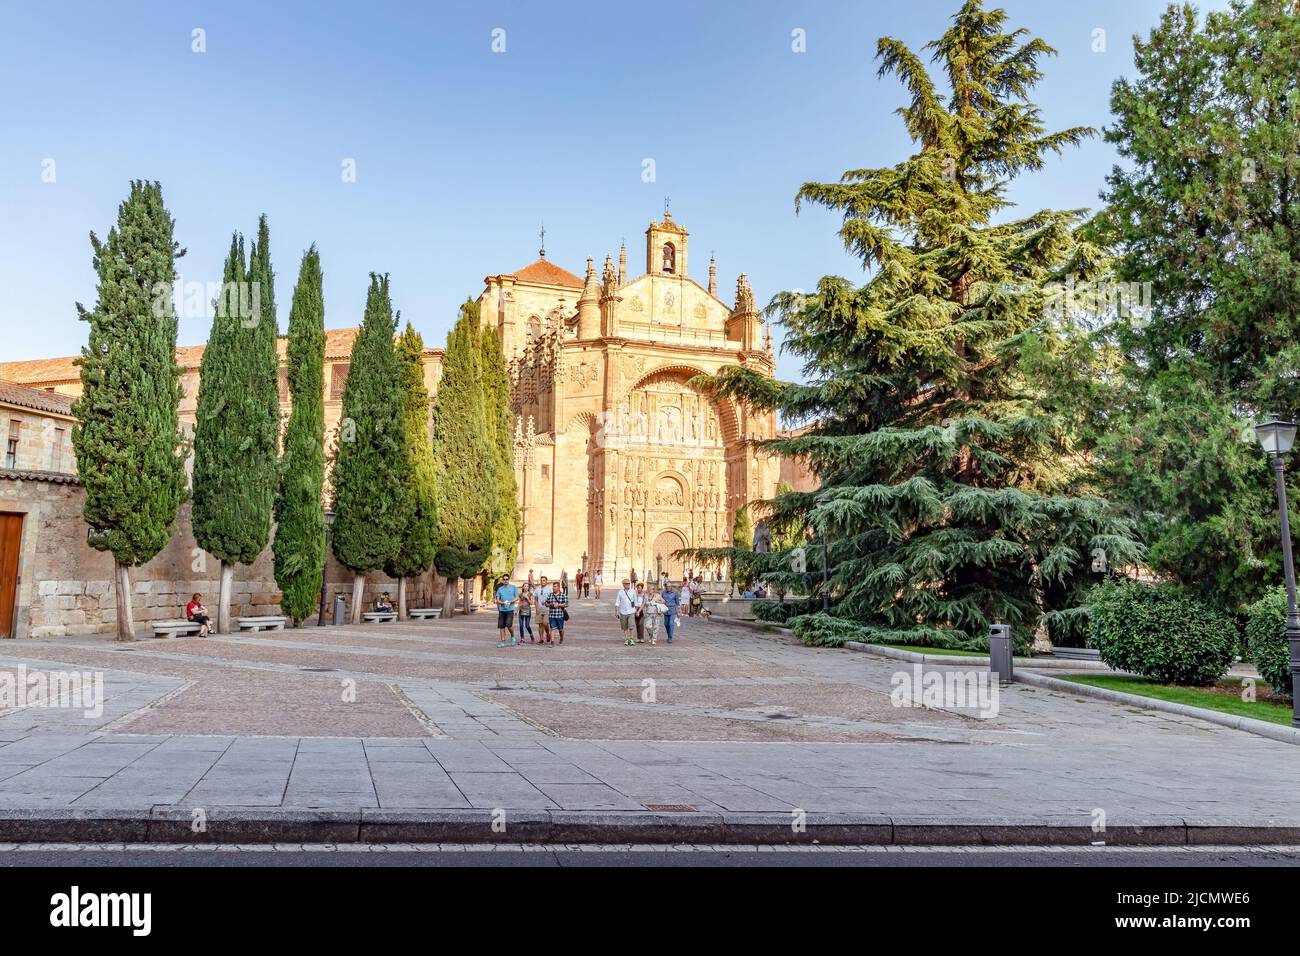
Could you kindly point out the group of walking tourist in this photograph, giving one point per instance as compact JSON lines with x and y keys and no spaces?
{"x":643,"y":611}
{"x":548,"y":602}
{"x":584,"y":581}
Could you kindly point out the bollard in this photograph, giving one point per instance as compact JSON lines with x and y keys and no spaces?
{"x":1000,"y":653}
{"x":340,"y":610}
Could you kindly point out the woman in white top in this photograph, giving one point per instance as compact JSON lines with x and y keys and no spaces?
{"x":598,"y":581}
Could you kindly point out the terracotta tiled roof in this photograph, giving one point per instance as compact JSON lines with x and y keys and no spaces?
{"x":338,"y":345}
{"x":41,"y":371}
{"x":547,"y":273}
{"x":54,"y":477}
{"x":338,"y":342}
{"x":12,"y":393}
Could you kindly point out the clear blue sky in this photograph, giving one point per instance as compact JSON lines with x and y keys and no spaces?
{"x":461,"y":152}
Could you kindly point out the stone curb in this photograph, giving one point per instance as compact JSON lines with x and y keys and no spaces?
{"x":916,"y":657}
{"x":263,"y":826}
{"x":1288,"y":735}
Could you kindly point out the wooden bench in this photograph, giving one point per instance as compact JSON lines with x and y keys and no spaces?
{"x":424,"y":613}
{"x":268,"y":623}
{"x":175,"y":628}
{"x":378,"y":617}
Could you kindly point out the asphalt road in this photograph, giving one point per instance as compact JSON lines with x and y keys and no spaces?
{"x":46,"y":855}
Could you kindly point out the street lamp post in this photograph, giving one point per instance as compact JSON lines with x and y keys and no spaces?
{"x":1277,"y":437}
{"x":329,"y":524}
{"x":826,"y":588}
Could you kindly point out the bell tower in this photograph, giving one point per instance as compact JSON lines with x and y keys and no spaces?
{"x":665,"y":247}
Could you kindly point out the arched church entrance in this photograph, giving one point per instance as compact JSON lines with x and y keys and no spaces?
{"x":666,"y":542}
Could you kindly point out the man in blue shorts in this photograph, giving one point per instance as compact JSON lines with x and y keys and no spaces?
{"x":507,"y":597}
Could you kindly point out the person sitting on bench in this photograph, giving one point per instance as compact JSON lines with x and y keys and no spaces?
{"x":196,"y":613}
{"x":384,"y":604}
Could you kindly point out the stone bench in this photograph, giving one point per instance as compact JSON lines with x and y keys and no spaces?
{"x":378,"y":617}
{"x":175,"y":628}
{"x":1076,"y":653}
{"x":424,"y":613}
{"x":269,"y":623}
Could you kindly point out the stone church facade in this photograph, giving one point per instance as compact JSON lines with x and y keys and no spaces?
{"x":620,"y":461}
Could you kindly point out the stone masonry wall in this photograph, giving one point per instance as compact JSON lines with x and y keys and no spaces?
{"x":66,"y":587}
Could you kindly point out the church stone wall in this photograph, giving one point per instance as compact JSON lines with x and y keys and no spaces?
{"x":67,"y":587}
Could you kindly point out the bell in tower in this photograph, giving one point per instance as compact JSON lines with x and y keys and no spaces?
{"x":665,"y":247}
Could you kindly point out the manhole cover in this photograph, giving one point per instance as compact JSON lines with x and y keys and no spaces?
{"x":670,"y":807}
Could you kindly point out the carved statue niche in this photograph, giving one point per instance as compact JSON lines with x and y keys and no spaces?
{"x":762,"y":537}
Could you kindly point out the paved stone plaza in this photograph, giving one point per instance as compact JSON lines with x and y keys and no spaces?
{"x":727,"y":719}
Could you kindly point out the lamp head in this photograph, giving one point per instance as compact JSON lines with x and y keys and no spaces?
{"x":1276,"y":436}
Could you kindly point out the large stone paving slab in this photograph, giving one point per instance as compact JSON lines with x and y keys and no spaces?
{"x":436,"y":717}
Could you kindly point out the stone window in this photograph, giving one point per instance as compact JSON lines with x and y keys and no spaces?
{"x":534,"y":328}
{"x":56,"y":452}
{"x":338,"y":380}
{"x":11,"y":446}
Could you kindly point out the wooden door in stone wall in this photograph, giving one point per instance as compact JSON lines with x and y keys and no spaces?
{"x":666,"y":542}
{"x":11,"y":538}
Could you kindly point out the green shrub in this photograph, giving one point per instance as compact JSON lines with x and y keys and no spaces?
{"x":779,"y":612}
{"x":822,"y":630}
{"x":826,"y":630}
{"x":1266,"y":639}
{"x":1159,"y":632}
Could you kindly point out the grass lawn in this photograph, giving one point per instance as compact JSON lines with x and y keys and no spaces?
{"x":948,"y":651}
{"x":1227,"y":699}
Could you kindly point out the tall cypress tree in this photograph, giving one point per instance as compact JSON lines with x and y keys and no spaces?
{"x":496,"y":408}
{"x":299,"y":544}
{"x":236,"y":437}
{"x":467,"y":469}
{"x":742,"y":546}
{"x":371,"y":492}
{"x":127,"y":437}
{"x":946,"y":496}
{"x":419,"y":541}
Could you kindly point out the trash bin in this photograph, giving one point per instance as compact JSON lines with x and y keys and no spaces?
{"x":340,"y":610}
{"x":1000,"y":652}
